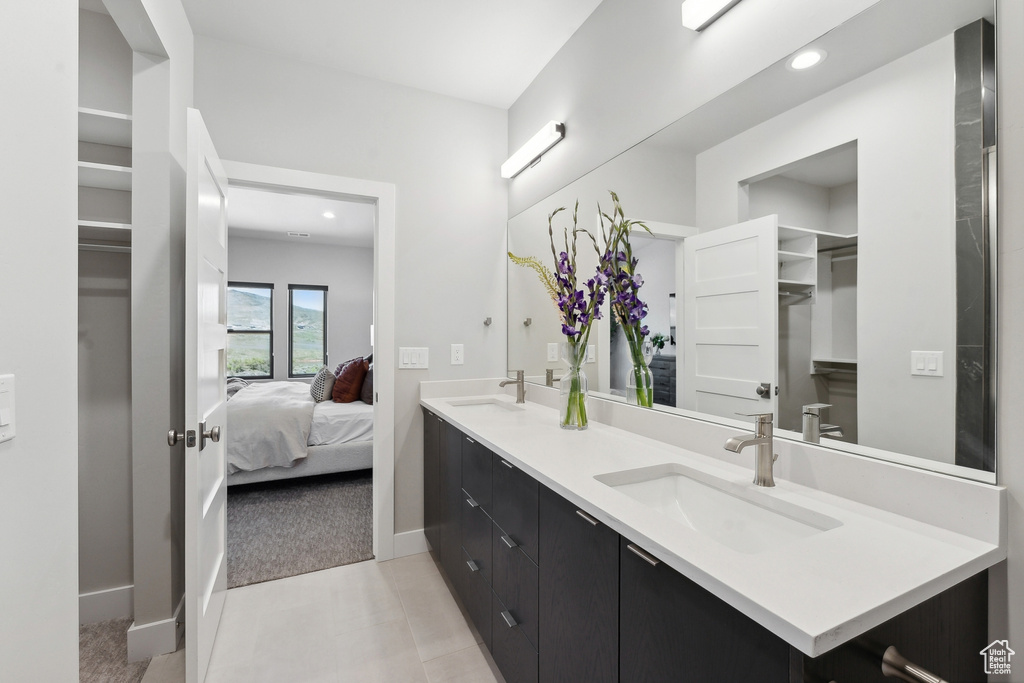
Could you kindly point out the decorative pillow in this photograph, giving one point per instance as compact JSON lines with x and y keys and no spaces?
{"x":337,"y":370}
{"x":322,"y":386}
{"x":366,"y":394}
{"x":349,"y":382}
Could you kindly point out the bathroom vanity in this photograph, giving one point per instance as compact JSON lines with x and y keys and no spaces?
{"x":607,"y":555}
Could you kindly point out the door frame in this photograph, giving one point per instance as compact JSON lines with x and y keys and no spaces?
{"x":383,"y":195}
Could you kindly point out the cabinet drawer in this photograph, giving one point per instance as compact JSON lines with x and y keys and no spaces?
{"x":476,"y":596}
{"x":476,"y":472}
{"x":476,"y":535}
{"x":515,"y":656}
{"x":514,"y":505}
{"x":514,"y":579}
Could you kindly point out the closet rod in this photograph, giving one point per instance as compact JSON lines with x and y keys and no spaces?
{"x":115,"y":248}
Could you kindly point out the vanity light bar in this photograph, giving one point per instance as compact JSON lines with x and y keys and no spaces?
{"x":699,"y":14}
{"x":548,"y":136}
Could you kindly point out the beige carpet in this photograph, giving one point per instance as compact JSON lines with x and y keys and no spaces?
{"x":285,"y":528}
{"x":103,"y":654}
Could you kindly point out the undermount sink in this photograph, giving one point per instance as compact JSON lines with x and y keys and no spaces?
{"x":738,"y":516}
{"x":485,"y":403}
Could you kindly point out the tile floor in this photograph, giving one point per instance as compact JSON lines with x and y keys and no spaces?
{"x":393,"y":622}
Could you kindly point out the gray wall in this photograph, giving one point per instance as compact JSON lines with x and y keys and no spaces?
{"x":347,"y":272}
{"x":38,"y":275}
{"x":443,"y":156}
{"x":104,"y":421}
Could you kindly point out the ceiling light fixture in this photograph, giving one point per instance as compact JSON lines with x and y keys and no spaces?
{"x":548,"y":136}
{"x":699,"y":14}
{"x":805,"y":59}
{"x":328,"y":214}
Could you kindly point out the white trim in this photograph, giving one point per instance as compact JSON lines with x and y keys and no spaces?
{"x":110,"y":603}
{"x":383,"y":194}
{"x":410,"y":543}
{"x":158,"y":637}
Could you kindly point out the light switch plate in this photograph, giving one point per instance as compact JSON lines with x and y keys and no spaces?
{"x":413,"y":357}
{"x":553,"y":351}
{"x":458,"y":354}
{"x":592,"y":353}
{"x":7,"y":431}
{"x":926,"y":363}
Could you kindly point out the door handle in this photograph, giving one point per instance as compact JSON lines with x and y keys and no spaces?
{"x":212,"y":434}
{"x":764,"y":390}
{"x":174,"y":436}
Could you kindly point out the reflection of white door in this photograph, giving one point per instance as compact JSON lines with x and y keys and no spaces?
{"x":731,"y":319}
{"x":205,"y":397}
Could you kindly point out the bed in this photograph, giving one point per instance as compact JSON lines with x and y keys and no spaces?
{"x":277,"y":431}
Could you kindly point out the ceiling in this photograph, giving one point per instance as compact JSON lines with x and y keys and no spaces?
{"x":479,"y":50}
{"x":264,"y":214}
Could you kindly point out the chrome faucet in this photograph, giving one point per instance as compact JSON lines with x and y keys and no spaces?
{"x":763,"y":439}
{"x":520,"y":382}
{"x":813,"y":428}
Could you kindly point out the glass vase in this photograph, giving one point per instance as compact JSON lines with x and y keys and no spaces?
{"x":640,"y":380}
{"x":572,"y":388}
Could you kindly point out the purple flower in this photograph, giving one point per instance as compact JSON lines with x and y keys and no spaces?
{"x":569,"y":331}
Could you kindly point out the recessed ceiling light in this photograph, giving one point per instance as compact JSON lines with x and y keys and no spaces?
{"x":328,"y":214}
{"x":805,"y":59}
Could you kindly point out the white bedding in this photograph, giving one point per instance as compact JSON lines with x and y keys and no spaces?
{"x":341,"y":423}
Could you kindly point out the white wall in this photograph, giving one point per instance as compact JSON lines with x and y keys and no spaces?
{"x":631,"y":69}
{"x":105,"y":413}
{"x":902,"y":118}
{"x":442,"y":154}
{"x":38,"y":276}
{"x":346,"y":271}
{"x":1007,"y":581}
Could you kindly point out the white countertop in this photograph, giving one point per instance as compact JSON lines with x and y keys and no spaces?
{"x":815,"y":592}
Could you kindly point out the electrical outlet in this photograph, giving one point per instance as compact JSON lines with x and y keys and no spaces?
{"x":553,"y":352}
{"x":458,"y":354}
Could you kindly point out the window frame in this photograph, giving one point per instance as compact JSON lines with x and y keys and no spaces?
{"x":291,"y":328}
{"x":254,"y":285}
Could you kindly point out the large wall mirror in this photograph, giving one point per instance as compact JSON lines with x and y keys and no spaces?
{"x":821,"y":244}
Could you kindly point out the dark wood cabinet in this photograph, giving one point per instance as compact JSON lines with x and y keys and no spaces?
{"x":514,"y":495}
{"x":433,"y":428}
{"x":512,"y":651}
{"x":558,"y":597}
{"x":578,"y":594}
{"x":450,"y":505}
{"x":674,"y":631}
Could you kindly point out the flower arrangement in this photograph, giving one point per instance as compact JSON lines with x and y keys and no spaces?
{"x":659,"y":340}
{"x":618,"y":265}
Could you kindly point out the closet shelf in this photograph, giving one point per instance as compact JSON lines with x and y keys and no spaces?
{"x":104,"y":127}
{"x":787,"y":256}
{"x":107,"y":225}
{"x":105,"y":176}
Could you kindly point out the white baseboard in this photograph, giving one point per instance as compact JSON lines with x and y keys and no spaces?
{"x":410,"y":543}
{"x":112,"y":603}
{"x":158,"y":637}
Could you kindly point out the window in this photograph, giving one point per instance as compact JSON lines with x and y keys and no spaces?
{"x":250,"y":330}
{"x":307,"y":329}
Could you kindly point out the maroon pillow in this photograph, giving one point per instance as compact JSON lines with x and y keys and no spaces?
{"x":366,"y":394}
{"x":349,"y":382}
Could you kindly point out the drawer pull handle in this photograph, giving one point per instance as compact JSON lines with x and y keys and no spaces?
{"x":470,"y":440}
{"x":472,"y":503}
{"x":644,"y":555}
{"x":587,"y":517}
{"x":507,"y":464}
{"x":507,"y":540}
{"x":895,"y":665}
{"x":509,"y":619}
{"x":472,"y":566}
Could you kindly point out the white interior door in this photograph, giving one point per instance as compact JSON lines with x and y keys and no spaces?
{"x":205,"y":397}
{"x":731,"y":319}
